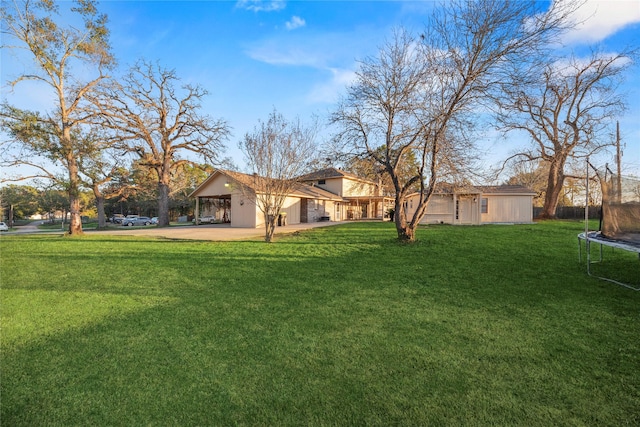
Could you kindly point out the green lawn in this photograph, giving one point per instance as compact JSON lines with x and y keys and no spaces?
{"x":491,"y":325}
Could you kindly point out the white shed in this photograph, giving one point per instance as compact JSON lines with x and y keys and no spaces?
{"x":506,"y":203}
{"x":477,"y":205}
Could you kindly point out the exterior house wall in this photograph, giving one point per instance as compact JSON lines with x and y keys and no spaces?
{"x":217,"y":186}
{"x":346,"y":187}
{"x":352,"y":188}
{"x":333,"y":185}
{"x":243,"y":211}
{"x":448,"y":209}
{"x":322,"y":208}
{"x":440,"y":210}
{"x":291,"y":207}
{"x":508,"y":208}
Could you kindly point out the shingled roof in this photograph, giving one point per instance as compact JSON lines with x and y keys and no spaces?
{"x":506,"y":189}
{"x":256,"y":184}
{"x":331,"y":173}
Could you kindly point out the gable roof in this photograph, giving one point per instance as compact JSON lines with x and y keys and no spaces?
{"x":444,"y":188}
{"x":507,"y":190}
{"x":254,"y":183}
{"x":332,"y":173}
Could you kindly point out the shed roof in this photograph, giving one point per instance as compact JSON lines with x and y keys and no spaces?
{"x":507,"y":190}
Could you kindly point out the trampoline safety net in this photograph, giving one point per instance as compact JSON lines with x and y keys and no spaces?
{"x":621,"y":208}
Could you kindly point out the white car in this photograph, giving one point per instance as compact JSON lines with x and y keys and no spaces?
{"x":207,"y":219}
{"x":4,"y":227}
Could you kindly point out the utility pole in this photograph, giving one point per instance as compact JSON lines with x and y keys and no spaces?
{"x":618,"y":165}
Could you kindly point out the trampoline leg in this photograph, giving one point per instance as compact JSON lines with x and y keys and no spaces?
{"x":600,"y":260}
{"x":579,"y":251}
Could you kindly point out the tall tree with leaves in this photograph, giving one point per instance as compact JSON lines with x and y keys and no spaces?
{"x":44,"y":140}
{"x":567,"y":112}
{"x":420,"y":93}
{"x":18,"y":202}
{"x":159,"y":123}
{"x":98,"y":168}
{"x":277,"y":153}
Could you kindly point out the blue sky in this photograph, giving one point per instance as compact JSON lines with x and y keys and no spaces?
{"x":298,"y":56}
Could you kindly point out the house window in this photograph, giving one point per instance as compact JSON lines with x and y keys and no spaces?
{"x":484,"y":205}
{"x":322,"y":182}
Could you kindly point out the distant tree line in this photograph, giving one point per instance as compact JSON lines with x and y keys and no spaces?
{"x":126,"y":194}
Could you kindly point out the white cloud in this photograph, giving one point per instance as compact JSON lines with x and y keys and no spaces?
{"x":330,"y":91}
{"x":295,"y":22}
{"x":598,"y":19}
{"x":312,"y":49}
{"x":261,"y":5}
{"x":569,"y":65}
{"x":276,"y":52}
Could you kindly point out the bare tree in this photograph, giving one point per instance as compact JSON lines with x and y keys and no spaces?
{"x":46,"y":141}
{"x":277,"y":152}
{"x":420,"y":94}
{"x":158,"y":122}
{"x":568,"y":112}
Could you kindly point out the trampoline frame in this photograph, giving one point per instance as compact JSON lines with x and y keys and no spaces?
{"x":597,"y":237}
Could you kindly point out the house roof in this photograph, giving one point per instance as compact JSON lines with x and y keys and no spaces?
{"x":504,"y":190}
{"x":255,"y":183}
{"x":332,"y":173}
{"x":313,"y":192}
{"x":507,"y":190}
{"x":448,"y":188}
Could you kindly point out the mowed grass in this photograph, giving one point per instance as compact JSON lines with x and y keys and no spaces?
{"x":490,"y":325}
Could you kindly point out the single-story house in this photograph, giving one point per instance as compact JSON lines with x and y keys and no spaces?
{"x":335,"y":195}
{"x":477,"y":205}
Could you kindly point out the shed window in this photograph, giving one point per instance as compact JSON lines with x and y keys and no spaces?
{"x":322,"y":182}
{"x":484,"y":205}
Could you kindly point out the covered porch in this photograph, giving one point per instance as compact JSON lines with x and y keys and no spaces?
{"x":368,"y":207}
{"x":217,"y":206}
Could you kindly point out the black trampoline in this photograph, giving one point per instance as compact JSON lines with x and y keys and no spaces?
{"x":619,"y":223}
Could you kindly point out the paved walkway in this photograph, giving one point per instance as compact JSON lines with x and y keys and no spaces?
{"x":220,"y":232}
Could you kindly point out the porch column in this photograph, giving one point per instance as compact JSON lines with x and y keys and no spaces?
{"x":197,"y":212}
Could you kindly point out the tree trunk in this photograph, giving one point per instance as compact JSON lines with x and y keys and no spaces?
{"x":75,"y":222}
{"x":554,"y":188}
{"x":270,"y":227}
{"x":102,"y":221}
{"x":406,"y":232}
{"x":163,"y":204}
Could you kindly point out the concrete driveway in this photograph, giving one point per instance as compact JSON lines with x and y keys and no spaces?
{"x":220,"y":232}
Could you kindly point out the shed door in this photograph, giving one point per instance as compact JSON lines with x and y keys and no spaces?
{"x":465,"y":210}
